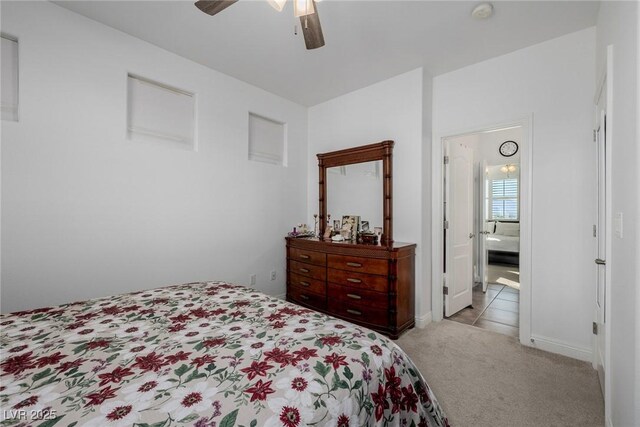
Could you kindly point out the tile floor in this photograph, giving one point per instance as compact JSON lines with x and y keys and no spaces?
{"x":498,"y":309}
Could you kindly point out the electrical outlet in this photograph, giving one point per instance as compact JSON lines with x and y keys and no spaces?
{"x":252,"y":279}
{"x":273,"y":275}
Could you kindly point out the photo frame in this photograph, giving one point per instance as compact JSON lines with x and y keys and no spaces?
{"x":350,"y":224}
{"x":364,"y":226}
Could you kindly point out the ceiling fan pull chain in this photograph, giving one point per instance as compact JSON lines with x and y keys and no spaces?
{"x":295,"y":30}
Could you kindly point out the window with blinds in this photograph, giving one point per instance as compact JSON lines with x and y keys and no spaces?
{"x":267,"y":140}
{"x":503,"y":200}
{"x":9,"y":79}
{"x":160,"y":113}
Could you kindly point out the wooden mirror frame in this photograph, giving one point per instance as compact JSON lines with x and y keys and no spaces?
{"x":365,"y":153}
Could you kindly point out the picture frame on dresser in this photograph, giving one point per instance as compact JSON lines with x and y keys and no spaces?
{"x":369,"y":285}
{"x":350,"y":224}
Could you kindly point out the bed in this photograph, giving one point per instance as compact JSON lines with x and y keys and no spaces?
{"x":204,"y":354}
{"x":503,"y":243}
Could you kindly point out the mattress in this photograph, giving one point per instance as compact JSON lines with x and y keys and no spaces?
{"x":204,"y":354}
{"x":498,"y":242}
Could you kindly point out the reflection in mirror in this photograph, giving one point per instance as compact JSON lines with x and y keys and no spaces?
{"x":356,"y":190}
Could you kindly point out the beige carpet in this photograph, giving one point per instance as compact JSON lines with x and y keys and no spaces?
{"x":482,"y":378}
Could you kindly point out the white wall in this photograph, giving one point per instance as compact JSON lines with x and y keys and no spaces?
{"x":86,"y":212}
{"x":553,"y":82}
{"x":618,"y":26}
{"x":391,"y":109}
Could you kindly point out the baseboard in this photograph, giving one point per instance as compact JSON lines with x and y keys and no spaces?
{"x":424,"y":320}
{"x":562,"y":348}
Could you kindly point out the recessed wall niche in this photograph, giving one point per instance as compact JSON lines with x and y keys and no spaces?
{"x":267,"y":140}
{"x":160,"y":113}
{"x":9,"y":78}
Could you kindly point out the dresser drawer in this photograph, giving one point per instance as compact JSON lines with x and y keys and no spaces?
{"x":307,"y":284}
{"x":308,"y":270}
{"x":358,"y":297}
{"x":311,"y":257}
{"x":307,"y":298}
{"x":358,"y":280}
{"x":359,"y":264}
{"x":359,"y":314}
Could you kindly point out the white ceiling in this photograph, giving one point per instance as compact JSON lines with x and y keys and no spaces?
{"x":366,"y":41}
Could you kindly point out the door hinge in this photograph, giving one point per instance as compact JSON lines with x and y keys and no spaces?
{"x":595,"y":328}
{"x":595,"y":233}
{"x":446,"y":160}
{"x":594,"y":135}
{"x":446,"y":224}
{"x":445,"y":290}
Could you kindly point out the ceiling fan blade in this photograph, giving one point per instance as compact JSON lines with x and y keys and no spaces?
{"x":211,"y":7}
{"x":312,"y":30}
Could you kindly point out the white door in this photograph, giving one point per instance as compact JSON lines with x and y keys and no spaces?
{"x":484,"y":232}
{"x":601,"y":235}
{"x":459,"y":235}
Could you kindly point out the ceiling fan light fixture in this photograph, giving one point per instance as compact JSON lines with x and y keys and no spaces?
{"x":303,"y":7}
{"x":277,"y":4}
{"x":508,"y":169}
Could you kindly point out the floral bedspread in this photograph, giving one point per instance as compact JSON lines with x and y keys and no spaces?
{"x":204,"y":354}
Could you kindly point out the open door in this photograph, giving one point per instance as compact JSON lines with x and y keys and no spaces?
{"x":600,"y":232}
{"x":459,"y":231}
{"x":484,"y":232}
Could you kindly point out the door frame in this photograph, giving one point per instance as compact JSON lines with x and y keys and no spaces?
{"x":437,"y":219}
{"x":482,"y":228}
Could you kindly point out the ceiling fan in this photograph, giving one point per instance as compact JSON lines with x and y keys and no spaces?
{"x":306,"y":10}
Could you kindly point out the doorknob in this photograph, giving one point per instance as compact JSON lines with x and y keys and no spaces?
{"x":471,"y":235}
{"x":600,"y":261}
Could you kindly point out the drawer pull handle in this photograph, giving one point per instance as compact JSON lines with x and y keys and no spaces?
{"x":304,"y":297}
{"x":306,"y":284}
{"x":304,"y":270}
{"x":304,"y":256}
{"x":354,"y":296}
{"x":354,"y":264}
{"x":349,"y":279}
{"x":356,"y":312}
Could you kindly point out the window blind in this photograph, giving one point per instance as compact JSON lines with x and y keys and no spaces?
{"x":9,"y":79}
{"x":266,"y":140}
{"x":159,"y":111}
{"x":504,"y":198}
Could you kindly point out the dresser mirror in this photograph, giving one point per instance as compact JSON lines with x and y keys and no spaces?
{"x":358,"y":181}
{"x":356,"y":190}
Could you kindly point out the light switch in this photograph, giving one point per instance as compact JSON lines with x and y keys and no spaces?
{"x":618,"y":225}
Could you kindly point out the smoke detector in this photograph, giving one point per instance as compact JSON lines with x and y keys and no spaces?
{"x":482,"y":11}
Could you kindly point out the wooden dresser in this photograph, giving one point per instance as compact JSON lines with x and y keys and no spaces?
{"x":369,"y":285}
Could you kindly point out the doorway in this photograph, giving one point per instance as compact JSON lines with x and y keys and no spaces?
{"x":481,"y":233}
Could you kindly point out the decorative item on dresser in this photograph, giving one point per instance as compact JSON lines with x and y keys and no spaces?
{"x":370,"y":285}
